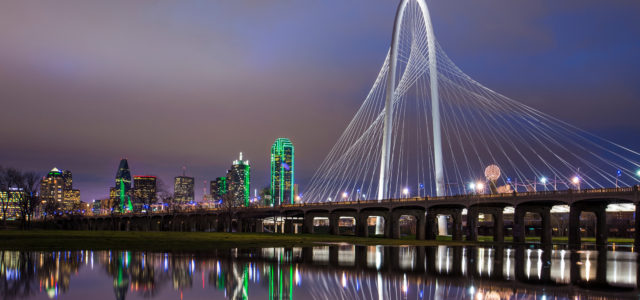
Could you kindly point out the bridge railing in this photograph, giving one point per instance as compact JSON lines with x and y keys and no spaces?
{"x":396,"y":200}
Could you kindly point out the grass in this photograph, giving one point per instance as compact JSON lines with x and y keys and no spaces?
{"x":202,"y":241}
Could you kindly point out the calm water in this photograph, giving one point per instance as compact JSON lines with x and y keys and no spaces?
{"x":335,"y":272}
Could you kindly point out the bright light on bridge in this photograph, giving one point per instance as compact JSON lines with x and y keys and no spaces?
{"x":543,"y":180}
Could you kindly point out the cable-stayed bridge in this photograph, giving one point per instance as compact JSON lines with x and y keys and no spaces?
{"x":427,"y":142}
{"x":427,"y":129}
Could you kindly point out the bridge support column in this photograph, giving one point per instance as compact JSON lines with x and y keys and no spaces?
{"x":334,"y":227}
{"x":431,"y":226}
{"x":545,"y":218}
{"x":362,"y":228}
{"x":307,"y":225}
{"x":394,"y":225}
{"x":636,"y":234}
{"x":421,"y":230}
{"x":498,"y":227}
{"x":472,"y":224}
{"x":456,"y":215}
{"x":599,"y":209}
{"x":288,"y":226}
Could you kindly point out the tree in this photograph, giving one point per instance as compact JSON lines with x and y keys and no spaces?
{"x":28,"y":184}
{"x":4,"y":201}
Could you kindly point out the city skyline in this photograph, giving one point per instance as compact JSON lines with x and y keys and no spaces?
{"x":544,"y":37}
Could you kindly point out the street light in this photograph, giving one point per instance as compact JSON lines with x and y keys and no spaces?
{"x":543,"y":180}
{"x":472,"y":187}
{"x":638,"y":173}
{"x":576,"y":181}
{"x":345,"y":195}
{"x":405,"y":192}
{"x":480,"y":187}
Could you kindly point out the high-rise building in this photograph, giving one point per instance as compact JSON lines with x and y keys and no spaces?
{"x":12,"y":197}
{"x":121,"y":192}
{"x":282,"y":172}
{"x":238,"y":182}
{"x":56,"y":190}
{"x":218,"y":188}
{"x":67,"y":177}
{"x":183,"y":190}
{"x":144,"y":191}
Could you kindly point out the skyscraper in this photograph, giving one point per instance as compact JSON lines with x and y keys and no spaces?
{"x":121,"y":192}
{"x":56,"y":191}
{"x":183,"y":190}
{"x":238,"y":182}
{"x":144,"y":191}
{"x":218,"y":188}
{"x":282,"y":172}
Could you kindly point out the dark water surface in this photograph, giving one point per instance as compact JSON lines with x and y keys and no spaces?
{"x":324,"y":272}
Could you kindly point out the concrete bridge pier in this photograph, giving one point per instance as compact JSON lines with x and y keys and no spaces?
{"x":334,"y":227}
{"x":597,"y":208}
{"x":545,"y":218}
{"x":288,"y":226}
{"x":362,"y":227}
{"x":498,"y":222}
{"x":432,"y":222}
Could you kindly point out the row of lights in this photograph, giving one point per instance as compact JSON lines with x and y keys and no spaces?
{"x":476,"y":186}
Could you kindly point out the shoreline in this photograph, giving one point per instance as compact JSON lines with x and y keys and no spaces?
{"x":202,"y":241}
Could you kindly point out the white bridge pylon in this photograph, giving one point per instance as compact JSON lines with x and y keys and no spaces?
{"x":427,"y":129}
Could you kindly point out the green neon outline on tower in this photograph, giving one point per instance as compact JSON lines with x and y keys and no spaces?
{"x":282,"y":179}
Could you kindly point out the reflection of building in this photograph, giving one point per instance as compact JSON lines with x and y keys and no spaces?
{"x":120,"y":194}
{"x":238,"y":182}
{"x":144,"y":191}
{"x":12,"y":198}
{"x":56,"y":190}
{"x":183,"y":190}
{"x":282,"y":172}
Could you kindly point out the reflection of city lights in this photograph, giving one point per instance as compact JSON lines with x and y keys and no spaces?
{"x":298,"y":281}
{"x":405,"y":285}
{"x":344,"y":280}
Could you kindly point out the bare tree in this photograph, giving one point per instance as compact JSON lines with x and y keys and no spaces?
{"x":28,"y":184}
{"x":4,"y":201}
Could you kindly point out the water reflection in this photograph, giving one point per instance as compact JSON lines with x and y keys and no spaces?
{"x":323,"y":272}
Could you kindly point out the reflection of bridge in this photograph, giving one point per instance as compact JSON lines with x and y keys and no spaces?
{"x":520,"y":270}
{"x":424,"y":210}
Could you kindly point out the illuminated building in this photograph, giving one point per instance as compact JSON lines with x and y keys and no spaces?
{"x":57,"y":188}
{"x":239,"y":181}
{"x":144,"y":191}
{"x":183,"y":190}
{"x":218,"y":188}
{"x":121,"y":192}
{"x":282,"y":172}
{"x":12,"y":198}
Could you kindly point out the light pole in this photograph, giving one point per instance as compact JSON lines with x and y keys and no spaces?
{"x":576,"y":182}
{"x":618,"y":174}
{"x":543,"y":180}
{"x":405,"y":192}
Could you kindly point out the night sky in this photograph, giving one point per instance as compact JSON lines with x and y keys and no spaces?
{"x":168,"y":84}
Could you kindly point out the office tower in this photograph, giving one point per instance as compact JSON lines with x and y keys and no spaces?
{"x":282,"y":172}
{"x":183,"y":190}
{"x":56,"y":191}
{"x":144,"y":191}
{"x":218,"y":188}
{"x":238,"y":182}
{"x":121,"y":192}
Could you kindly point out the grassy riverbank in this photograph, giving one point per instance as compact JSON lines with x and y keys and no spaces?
{"x":196,"y":241}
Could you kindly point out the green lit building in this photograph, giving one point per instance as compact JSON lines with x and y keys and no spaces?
{"x":282,"y":172}
{"x":218,"y":188}
{"x":238,"y":182}
{"x":121,"y":192}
